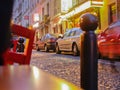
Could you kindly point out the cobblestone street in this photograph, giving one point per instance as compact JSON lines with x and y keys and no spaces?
{"x":68,"y":68}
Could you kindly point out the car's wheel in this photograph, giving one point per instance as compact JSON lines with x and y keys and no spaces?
{"x":37,"y":48}
{"x":57,"y":50}
{"x":46,"y":48}
{"x":75,"y":50}
{"x":100,"y":56}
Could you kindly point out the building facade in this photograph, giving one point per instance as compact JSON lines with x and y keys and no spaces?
{"x":57,"y":16}
{"x":17,"y":12}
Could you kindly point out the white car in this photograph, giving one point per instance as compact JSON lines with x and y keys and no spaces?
{"x":69,"y":42}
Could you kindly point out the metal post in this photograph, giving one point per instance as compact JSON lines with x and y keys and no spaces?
{"x":88,"y":53}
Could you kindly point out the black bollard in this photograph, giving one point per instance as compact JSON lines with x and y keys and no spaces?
{"x":88,"y":53}
{"x":20,"y":45}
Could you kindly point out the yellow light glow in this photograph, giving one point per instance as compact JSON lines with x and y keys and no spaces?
{"x":97,"y":4}
{"x":26,"y":45}
{"x":65,"y":87}
{"x":36,"y":25}
{"x":36,"y":76}
{"x":36,"y":73}
{"x":81,"y":8}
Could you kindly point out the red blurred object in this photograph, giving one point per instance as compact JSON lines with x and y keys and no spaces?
{"x":15,"y":45}
{"x":26,"y":17}
{"x":109,"y":42}
{"x":11,"y":57}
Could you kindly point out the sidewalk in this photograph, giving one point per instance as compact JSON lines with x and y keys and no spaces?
{"x":108,"y":74}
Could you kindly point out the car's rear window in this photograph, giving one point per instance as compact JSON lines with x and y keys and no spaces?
{"x":78,"y":31}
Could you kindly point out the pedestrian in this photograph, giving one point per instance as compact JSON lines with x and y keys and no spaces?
{"x":6,"y":7}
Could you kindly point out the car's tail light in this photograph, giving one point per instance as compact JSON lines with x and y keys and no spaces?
{"x":52,"y":40}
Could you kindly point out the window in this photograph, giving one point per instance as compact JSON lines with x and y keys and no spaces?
{"x":112,"y":13}
{"x":43,"y":13}
{"x":78,"y":32}
{"x":48,"y":8}
{"x":72,"y":33}
{"x":67,"y":34}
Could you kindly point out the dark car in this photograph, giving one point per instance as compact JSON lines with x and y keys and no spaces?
{"x":47,"y":42}
{"x":109,"y":42}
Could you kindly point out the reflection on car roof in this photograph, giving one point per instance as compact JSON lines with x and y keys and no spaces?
{"x":115,"y":24}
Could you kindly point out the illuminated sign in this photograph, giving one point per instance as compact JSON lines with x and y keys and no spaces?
{"x":36,"y":17}
{"x":84,"y":6}
{"x":66,"y":5}
{"x":97,"y":3}
{"x":81,"y":8}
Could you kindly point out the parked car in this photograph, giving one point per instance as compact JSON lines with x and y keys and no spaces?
{"x":47,"y":42}
{"x":69,"y":42}
{"x":109,"y":42}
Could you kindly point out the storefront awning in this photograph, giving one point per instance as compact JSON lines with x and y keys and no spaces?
{"x":82,"y":7}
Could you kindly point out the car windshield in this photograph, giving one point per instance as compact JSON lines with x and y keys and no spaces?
{"x":67,"y":33}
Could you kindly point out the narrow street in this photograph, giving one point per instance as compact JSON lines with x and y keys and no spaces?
{"x":67,"y":67}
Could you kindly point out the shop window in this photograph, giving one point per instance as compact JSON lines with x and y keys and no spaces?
{"x":112,"y":13}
